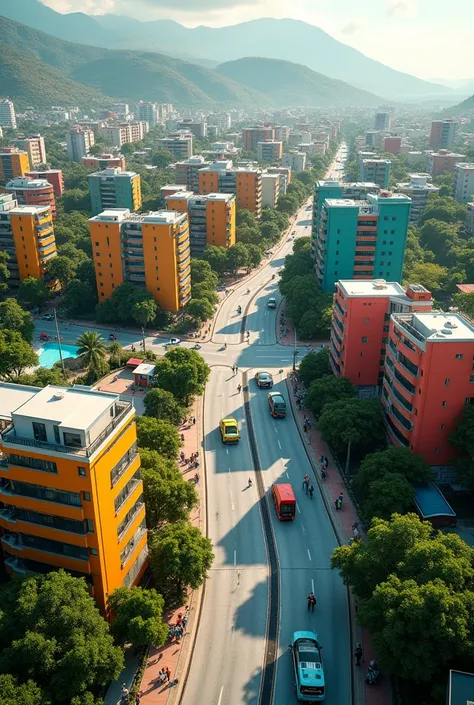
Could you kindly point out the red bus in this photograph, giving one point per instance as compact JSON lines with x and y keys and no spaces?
{"x":285,"y":502}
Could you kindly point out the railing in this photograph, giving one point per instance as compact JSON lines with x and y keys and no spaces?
{"x":410,"y":329}
{"x":9,"y":436}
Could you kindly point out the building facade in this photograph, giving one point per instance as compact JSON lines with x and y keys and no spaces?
{"x":376,"y":170}
{"x":34,"y":147}
{"x":32,"y":192}
{"x":253,"y":135}
{"x":444,"y":160}
{"x":187,"y":172}
{"x":150,"y":250}
{"x":360,"y":326}
{"x":7,"y":114}
{"x":443,"y":134}
{"x":361,"y":239}
{"x":382,"y":121}
{"x":211,"y":218}
{"x":104,"y":161}
{"x":197,"y":129}
{"x":270,"y":190}
{"x":114,"y":188}
{"x":294,"y":160}
{"x":244,"y":183}
{"x":79,"y":142}
{"x":269,"y":152}
{"x":148,"y":112}
{"x":392,"y":144}
{"x":419,"y":189}
{"x":463,"y":188}
{"x":180,"y":145}
{"x":429,"y":364}
{"x":13,"y":162}
{"x":52,"y":176}
{"x":71,"y":492}
{"x":124,"y":132}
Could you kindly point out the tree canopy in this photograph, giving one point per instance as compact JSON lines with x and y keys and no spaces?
{"x":33,"y":293}
{"x":162,"y":405}
{"x":16,"y":354}
{"x":138,"y":616}
{"x":14,"y":317}
{"x":158,"y":435}
{"x":328,"y":389}
{"x":182,"y":372}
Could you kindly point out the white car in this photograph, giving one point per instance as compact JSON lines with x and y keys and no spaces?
{"x":173,"y":341}
{"x":272,"y":303}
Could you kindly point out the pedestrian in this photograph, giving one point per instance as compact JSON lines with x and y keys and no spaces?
{"x":305,"y":428}
{"x":309,"y":439}
{"x":340,"y":498}
{"x":311,"y":602}
{"x":336,"y":504}
{"x":358,"y":654}
{"x":137,"y":699}
{"x":356,"y":533}
{"x":182,"y":456}
{"x":168,"y":673}
{"x":185,"y":621}
{"x":194,"y":419}
{"x":311,"y":491}
{"x":321,"y":460}
{"x":236,"y":369}
{"x":326,"y":462}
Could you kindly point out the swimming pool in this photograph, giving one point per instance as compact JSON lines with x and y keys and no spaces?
{"x":49,"y":353}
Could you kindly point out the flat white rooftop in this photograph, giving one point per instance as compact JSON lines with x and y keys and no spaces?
{"x":13,"y":396}
{"x":440,"y":327}
{"x":22,"y":183}
{"x":180,"y":195}
{"x":70,"y":407}
{"x":111,"y":214}
{"x":30,"y":210}
{"x":371,"y":287}
{"x":465,"y":167}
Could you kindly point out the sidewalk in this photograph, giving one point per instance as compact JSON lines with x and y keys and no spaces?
{"x":342,"y":520}
{"x":285,"y":334}
{"x":174,"y":655}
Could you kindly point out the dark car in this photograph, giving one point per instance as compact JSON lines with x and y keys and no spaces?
{"x":264,"y":379}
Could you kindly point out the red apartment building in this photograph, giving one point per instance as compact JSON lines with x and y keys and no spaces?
{"x":392,"y":145}
{"x":53,"y":176}
{"x":253,"y":135}
{"x":360,"y":326}
{"x":429,"y":378}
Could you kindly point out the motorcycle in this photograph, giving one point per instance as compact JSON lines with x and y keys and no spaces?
{"x":196,"y":346}
{"x":239,"y":310}
{"x":372,"y":675}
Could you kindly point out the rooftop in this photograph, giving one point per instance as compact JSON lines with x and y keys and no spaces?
{"x":437,"y":326}
{"x":30,"y":210}
{"x":23,"y":183}
{"x":376,"y":161}
{"x":180,"y":195}
{"x":111,"y":215}
{"x":335,"y":183}
{"x":371,"y":287}
{"x":115,"y":171}
{"x":466,"y":166}
{"x":14,"y":396}
{"x":145,"y":368}
{"x":465,"y":288}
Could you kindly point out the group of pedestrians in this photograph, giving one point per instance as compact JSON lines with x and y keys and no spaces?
{"x":192,"y":461}
{"x":308,"y":486}
{"x":164,"y":675}
{"x":338,"y":501}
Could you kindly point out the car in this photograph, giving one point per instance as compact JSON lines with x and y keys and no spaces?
{"x":272,"y":303}
{"x":308,"y":667}
{"x":48,"y":317}
{"x":229,"y":430}
{"x":173,"y":341}
{"x":264,"y":379}
{"x":277,"y":404}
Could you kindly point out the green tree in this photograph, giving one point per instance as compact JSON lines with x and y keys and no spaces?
{"x":463,"y":439}
{"x":144,"y":311}
{"x":168,"y":496}
{"x":391,"y":494}
{"x":436,"y":235}
{"x":302,"y":244}
{"x":162,"y":405}
{"x":182,"y":372}
{"x":288,"y":203}
{"x":352,"y":424}
{"x":52,"y":633}
{"x":249,"y":236}
{"x":158,"y":435}
{"x":326,"y":390}
{"x":313,"y":366}
{"x":180,"y":558}
{"x":80,"y":298}
{"x":431,"y":275}
{"x":269,"y":231}
{"x":203,"y":291}
{"x":4,"y":273}
{"x":33,"y":293}
{"x":138,"y":616}
{"x":14,"y":693}
{"x":200,"y":310}
{"x":16,"y":354}
{"x":245,"y":217}
{"x":254,"y":254}
{"x":62,"y":268}
{"x":42,"y":376}
{"x":162,"y":158}
{"x":399,"y":461}
{"x":92,"y":346}
{"x":75,"y":200}
{"x":237,"y":256}
{"x":216,"y":257}
{"x":201,"y":273}
{"x":14,"y":317}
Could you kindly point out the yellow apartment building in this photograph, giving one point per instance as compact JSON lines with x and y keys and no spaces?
{"x":245,"y":183}
{"x":150,"y":250}
{"x":71,"y":494}
{"x":211,"y":218}
{"x":13,"y":162}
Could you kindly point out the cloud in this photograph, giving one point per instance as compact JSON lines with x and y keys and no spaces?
{"x":401,"y":8}
{"x":352,"y":27}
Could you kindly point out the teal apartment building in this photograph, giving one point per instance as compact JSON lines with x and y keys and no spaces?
{"x":114,"y":188}
{"x":361,"y":238}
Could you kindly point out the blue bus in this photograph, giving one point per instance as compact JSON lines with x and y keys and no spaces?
{"x":308,"y":665}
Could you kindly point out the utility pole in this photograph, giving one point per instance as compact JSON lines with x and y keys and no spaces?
{"x":295,"y":353}
{"x":143,"y":338}
{"x":59,"y":345}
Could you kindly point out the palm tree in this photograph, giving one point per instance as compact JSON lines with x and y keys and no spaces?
{"x":92,"y":346}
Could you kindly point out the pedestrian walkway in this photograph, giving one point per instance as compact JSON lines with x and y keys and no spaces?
{"x":175,"y":654}
{"x":343,"y":521}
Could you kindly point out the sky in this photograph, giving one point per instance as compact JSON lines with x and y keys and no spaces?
{"x":432,"y":39}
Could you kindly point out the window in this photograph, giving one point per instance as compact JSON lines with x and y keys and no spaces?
{"x":81,"y":472}
{"x":57,"y":437}
{"x":394,"y":217}
{"x":338,"y":231}
{"x":366,"y":320}
{"x":337,"y":252}
{"x":364,"y":338}
{"x":93,"y":552}
{"x":386,"y":329}
{"x":39,"y":431}
{"x":337,"y":242}
{"x":382,"y":263}
{"x":86,"y":496}
{"x":336,"y":262}
{"x":389,"y":264}
{"x":90,"y":526}
{"x":384,"y":242}
{"x":382,"y":254}
{"x":458,"y":356}
{"x":471,"y":379}
{"x":443,"y":403}
{"x":32,"y":463}
{"x":73,"y":439}
{"x":436,"y":450}
{"x":389,"y":254}
{"x":441,"y":427}
{"x":385,"y":217}
{"x":446,"y":381}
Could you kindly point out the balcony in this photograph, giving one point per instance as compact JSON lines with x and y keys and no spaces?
{"x":411,"y":330}
{"x":132,"y":544}
{"x":122,"y":409}
{"x":136,"y":568}
{"x":16,"y":564}
{"x":394,"y":432}
{"x":397,"y":395}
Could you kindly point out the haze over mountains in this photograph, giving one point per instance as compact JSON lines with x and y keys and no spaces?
{"x":287,"y":39}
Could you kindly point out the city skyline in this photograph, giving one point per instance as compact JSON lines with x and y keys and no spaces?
{"x":378,"y":29}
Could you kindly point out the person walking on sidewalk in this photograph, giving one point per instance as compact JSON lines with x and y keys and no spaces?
{"x":358,"y":654}
{"x":168,"y":673}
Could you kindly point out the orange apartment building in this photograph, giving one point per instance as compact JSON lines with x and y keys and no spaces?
{"x":429,"y":379}
{"x":13,"y":162}
{"x":52,"y":176}
{"x":32,"y":192}
{"x":244,"y":183}
{"x":104,"y":161}
{"x":360,"y":326}
{"x":211,"y":218}
{"x":71,"y":494}
{"x":150,"y":250}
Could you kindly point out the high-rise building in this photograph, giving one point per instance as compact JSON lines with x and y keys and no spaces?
{"x":179,"y":144}
{"x":79,"y":142}
{"x":148,"y":112}
{"x":376,"y":170}
{"x":35,"y":148}
{"x":52,"y":176}
{"x":373,"y":138}
{"x":13,"y":162}
{"x":253,"y":135}
{"x":211,"y":218}
{"x":70,"y":486}
{"x":361,"y":239}
{"x":245,"y":183}
{"x":463,"y":188}
{"x":270,"y":190}
{"x":7,"y":114}
{"x":269,"y":152}
{"x":428,"y":381}
{"x":382,"y":121}
{"x":360,"y":325}
{"x":332,"y":188}
{"x":443,"y":134}
{"x":419,"y":189}
{"x":27,"y":235}
{"x":124,"y":132}
{"x":284,"y":176}
{"x":294,"y":160}
{"x":197,"y":129}
{"x":187,"y":172}
{"x":114,"y":188}
{"x":469,"y":223}
{"x":392,"y":144}
{"x":32,"y":192}
{"x":150,"y":250}
{"x":444,"y":160}
{"x":104,"y":161}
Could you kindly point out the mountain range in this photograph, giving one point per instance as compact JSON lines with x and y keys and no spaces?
{"x":41,"y":70}
{"x":285,"y":39}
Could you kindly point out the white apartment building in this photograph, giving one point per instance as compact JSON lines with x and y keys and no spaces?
{"x":148,"y":112}
{"x":296,"y":138}
{"x":294,"y":160}
{"x":79,"y":142}
{"x":284,"y":177}
{"x":470,"y":218}
{"x":419,"y":190}
{"x":270,"y":189}
{"x":124,"y":133}
{"x":7,"y":113}
{"x":35,"y":148}
{"x":179,"y":144}
{"x":463,"y":188}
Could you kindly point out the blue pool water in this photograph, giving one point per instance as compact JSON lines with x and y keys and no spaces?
{"x":49,"y":353}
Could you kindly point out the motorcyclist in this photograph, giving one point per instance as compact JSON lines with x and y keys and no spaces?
{"x":239,"y":388}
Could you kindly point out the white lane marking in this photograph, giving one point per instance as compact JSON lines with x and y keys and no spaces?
{"x":303,"y":529}
{"x":297,"y":507}
{"x":220,"y":696}
{"x":312,"y":586}
{"x":227,"y":451}
{"x":309,"y":554}
{"x":231,"y":495}
{"x":235,"y":557}
{"x":287,"y":476}
{"x":279,"y":445}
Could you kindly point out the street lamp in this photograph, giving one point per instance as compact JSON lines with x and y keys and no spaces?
{"x":59,"y":345}
{"x":143,"y":338}
{"x":295,"y":353}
